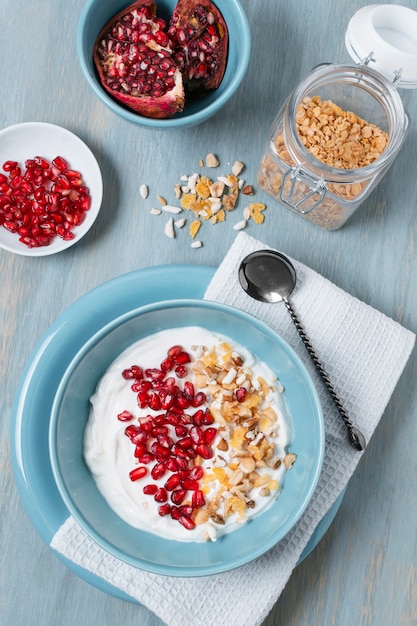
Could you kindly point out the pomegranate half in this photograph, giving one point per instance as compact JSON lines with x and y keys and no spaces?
{"x":150,"y":67}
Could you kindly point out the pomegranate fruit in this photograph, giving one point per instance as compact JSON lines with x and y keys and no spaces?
{"x":151,"y":67}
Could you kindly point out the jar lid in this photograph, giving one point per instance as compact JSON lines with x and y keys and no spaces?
{"x":384,"y":36}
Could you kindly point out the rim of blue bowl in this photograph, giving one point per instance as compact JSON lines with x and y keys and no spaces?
{"x":174,"y":122}
{"x":181,"y":571}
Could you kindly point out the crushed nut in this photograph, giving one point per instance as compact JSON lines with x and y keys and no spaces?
{"x":212,"y":160}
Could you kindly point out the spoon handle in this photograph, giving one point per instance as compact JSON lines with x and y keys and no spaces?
{"x":356,"y":438}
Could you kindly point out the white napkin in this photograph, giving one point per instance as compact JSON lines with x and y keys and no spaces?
{"x":364,"y":353}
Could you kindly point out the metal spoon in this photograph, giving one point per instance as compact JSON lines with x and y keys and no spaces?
{"x":269,"y":276}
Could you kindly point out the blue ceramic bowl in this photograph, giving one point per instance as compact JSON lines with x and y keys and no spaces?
{"x":144,"y":550}
{"x":97,"y":13}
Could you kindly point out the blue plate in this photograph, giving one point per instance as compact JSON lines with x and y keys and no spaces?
{"x":43,"y":373}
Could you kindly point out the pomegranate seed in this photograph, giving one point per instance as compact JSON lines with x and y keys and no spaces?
{"x":164,"y":509}
{"x":150,"y":490}
{"x":173,"y":482}
{"x":147,"y":458}
{"x":9,"y":165}
{"x":137,"y":473}
{"x":240,"y":394}
{"x":161,"y":452}
{"x":210,"y":435}
{"x":167,"y":365}
{"x":158,"y":470}
{"x":181,"y":371}
{"x":204,"y":450}
{"x":185,"y":442}
{"x":139,"y":450}
{"x":161,"y":495}
{"x":175,"y":512}
{"x":181,"y":430}
{"x":125,"y":416}
{"x":172,"y":464}
{"x":197,"y":499}
{"x":178,"y":495}
{"x":198,"y":399}
{"x":182,"y":358}
{"x":60,"y":163}
{"x":174,"y":350}
{"x":187,"y":522}
{"x":197,"y":472}
{"x":189,"y":483}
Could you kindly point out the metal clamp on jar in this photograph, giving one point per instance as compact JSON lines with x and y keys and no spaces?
{"x":343,"y":125}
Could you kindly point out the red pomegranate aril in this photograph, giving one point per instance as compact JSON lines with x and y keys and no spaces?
{"x":154,"y":402}
{"x":60,"y":163}
{"x":186,"y":509}
{"x":189,"y":483}
{"x":198,"y":399}
{"x":196,"y":434}
{"x":167,"y":365}
{"x":161,"y":452}
{"x":204,"y":450}
{"x":197,"y":499}
{"x":138,"y":473}
{"x":240,"y":394}
{"x":8,"y":166}
{"x":189,"y":390}
{"x":131,"y":430}
{"x":174,"y":351}
{"x":159,"y":430}
{"x":173,"y":482}
{"x":187,"y":522}
{"x":210,"y":435}
{"x":154,"y":374}
{"x":207,"y":418}
{"x":147,"y":423}
{"x":182,"y":464}
{"x":181,"y":430}
{"x":10,"y":226}
{"x":147,"y":458}
{"x":125,"y":416}
{"x":178,"y":496}
{"x":164,"y":509}
{"x":140,"y":450}
{"x":181,"y":371}
{"x":182,"y":358}
{"x":198,"y":417}
{"x":172,"y":464}
{"x":158,"y":470}
{"x":185,"y":442}
{"x":150,"y":490}
{"x":182,"y":402}
{"x":143,"y":399}
{"x":161,"y":495}
{"x":175,"y":512}
{"x":197,"y":472}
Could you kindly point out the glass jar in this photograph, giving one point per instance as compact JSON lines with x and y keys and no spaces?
{"x":336,"y":135}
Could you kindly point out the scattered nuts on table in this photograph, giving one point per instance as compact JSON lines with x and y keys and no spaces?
{"x":208,"y":200}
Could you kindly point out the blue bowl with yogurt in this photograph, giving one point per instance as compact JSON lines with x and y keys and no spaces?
{"x":140,"y":546}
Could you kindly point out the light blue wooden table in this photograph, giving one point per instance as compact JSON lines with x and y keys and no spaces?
{"x":364,"y":570}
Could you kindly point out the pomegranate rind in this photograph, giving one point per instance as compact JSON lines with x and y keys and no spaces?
{"x":190,"y":18}
{"x":107,"y":60}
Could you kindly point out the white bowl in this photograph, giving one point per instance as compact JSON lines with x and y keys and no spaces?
{"x":27,"y":140}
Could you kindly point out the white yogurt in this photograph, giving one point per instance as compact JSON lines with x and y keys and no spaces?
{"x":109,"y":452}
